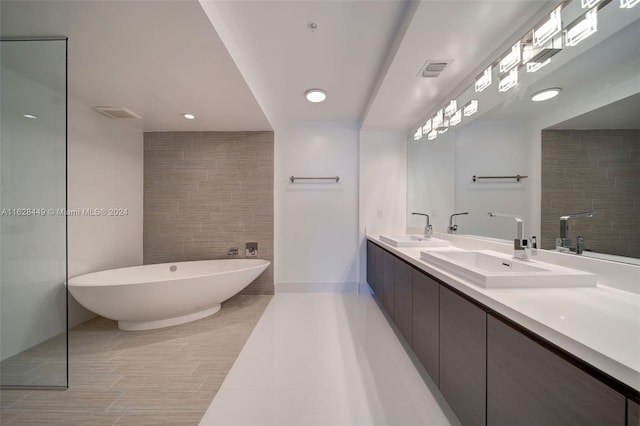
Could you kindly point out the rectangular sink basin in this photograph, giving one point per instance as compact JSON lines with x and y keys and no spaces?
{"x":490,"y":269}
{"x":413,"y":241}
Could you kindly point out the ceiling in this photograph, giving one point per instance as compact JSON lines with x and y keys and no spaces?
{"x":282,"y":56}
{"x":157,"y":58}
{"x":468,"y":32}
{"x":245,"y":65}
{"x":596,"y":78}
{"x":623,"y":114}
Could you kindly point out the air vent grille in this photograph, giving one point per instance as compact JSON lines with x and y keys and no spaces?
{"x":116,"y":112}
{"x":433,"y":67}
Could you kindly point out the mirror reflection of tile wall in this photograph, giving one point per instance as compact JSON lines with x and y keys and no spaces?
{"x":597,"y":170}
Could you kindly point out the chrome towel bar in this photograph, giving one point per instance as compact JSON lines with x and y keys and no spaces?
{"x":295,"y":178}
{"x":516,"y":177}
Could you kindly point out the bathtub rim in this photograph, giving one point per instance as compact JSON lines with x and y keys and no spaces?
{"x":263,"y":263}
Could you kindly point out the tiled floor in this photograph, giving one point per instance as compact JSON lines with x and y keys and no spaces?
{"x":325,"y":359}
{"x":167,"y":376}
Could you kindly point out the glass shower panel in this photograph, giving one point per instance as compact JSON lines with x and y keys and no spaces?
{"x":33,"y":237}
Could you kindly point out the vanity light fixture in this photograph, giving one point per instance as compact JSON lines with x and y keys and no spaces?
{"x":508,"y":81}
{"x":443,"y":127}
{"x":450,"y":109}
{"x":432,"y":135}
{"x":456,"y":118}
{"x":470,"y":108}
{"x":583,"y":29}
{"x":31,"y":116}
{"x":418,"y":134}
{"x":545,"y":94}
{"x":483,"y":81}
{"x":588,"y":4}
{"x":437,"y":120}
{"x":189,"y":116}
{"x":511,"y":59}
{"x":535,"y":57}
{"x":535,"y":66}
{"x":427,"y":127}
{"x":550,"y":28}
{"x":628,"y":4}
{"x":315,"y":95}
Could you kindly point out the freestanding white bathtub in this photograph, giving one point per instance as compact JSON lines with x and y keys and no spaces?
{"x":154,"y":296}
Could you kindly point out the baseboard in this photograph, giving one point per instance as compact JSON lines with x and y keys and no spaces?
{"x":317,"y":287}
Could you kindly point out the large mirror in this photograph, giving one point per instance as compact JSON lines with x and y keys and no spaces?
{"x":578,"y":152}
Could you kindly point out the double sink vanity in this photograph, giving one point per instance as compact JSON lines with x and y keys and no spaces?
{"x":511,"y":341}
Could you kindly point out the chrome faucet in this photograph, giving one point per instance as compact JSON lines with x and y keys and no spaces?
{"x":453,"y":228}
{"x":564,"y":243}
{"x":519,"y":242}
{"x":428,"y":229}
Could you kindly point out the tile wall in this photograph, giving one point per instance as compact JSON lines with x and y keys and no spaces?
{"x":205,"y":192}
{"x":599,"y":170}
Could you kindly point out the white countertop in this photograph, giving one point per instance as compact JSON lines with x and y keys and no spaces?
{"x":600,"y":325}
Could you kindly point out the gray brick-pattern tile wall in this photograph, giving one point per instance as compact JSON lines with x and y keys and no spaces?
{"x":597,"y":170}
{"x":205,"y":192}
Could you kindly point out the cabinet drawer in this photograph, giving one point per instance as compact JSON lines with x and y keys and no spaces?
{"x":528,"y":384}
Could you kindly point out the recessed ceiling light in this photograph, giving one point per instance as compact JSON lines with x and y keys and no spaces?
{"x":315,"y":95}
{"x":189,"y":116}
{"x":545,"y":94}
{"x":29,"y":116}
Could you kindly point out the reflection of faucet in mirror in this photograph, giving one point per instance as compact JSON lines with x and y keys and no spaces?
{"x":519,"y":242}
{"x":428,"y":229}
{"x":564,"y":243}
{"x":453,"y":228}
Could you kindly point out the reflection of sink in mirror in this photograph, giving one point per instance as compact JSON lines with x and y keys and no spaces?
{"x":413,"y":241}
{"x":491,"y":269}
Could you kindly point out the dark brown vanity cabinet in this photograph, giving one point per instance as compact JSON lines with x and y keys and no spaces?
{"x":528,"y":384}
{"x":633,"y":413}
{"x":387,"y":282}
{"x":490,"y":370}
{"x":375,"y":269}
{"x":463,"y":340}
{"x":402,"y":298}
{"x":426,"y":323}
{"x":371,"y":266}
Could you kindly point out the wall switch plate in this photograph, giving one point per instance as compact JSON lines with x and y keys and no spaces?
{"x":251,"y":249}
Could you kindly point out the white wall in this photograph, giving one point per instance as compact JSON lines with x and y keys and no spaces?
{"x":431,"y":182}
{"x":316,"y":224}
{"x":105,"y":170}
{"x":383,"y":185}
{"x":494,"y":148}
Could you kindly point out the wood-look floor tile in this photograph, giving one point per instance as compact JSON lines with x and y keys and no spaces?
{"x":151,"y":352}
{"x":160,"y":418}
{"x":161,"y":368}
{"x":9,"y":397}
{"x":154,"y":400}
{"x":6,"y":415}
{"x":88,"y":382}
{"x":166,"y":376}
{"x":69,"y":400}
{"x":175,"y":383}
{"x":66,"y":418}
{"x":213,"y":382}
{"x":214,"y":367}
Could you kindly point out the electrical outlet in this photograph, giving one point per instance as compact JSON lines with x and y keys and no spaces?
{"x":251,"y":249}
{"x":380,"y":214}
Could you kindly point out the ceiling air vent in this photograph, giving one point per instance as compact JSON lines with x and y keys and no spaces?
{"x":433,"y":67}
{"x":116,"y":112}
